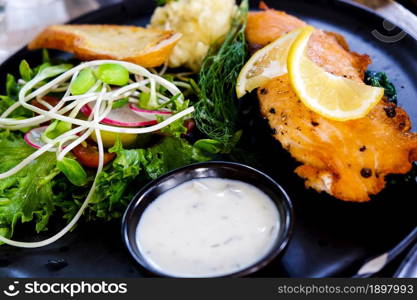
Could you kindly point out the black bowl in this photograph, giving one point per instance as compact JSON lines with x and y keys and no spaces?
{"x":218,"y":169}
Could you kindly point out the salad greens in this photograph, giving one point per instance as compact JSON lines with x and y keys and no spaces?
{"x":49,"y":187}
{"x":216,"y":111}
{"x":113,"y":74}
{"x":171,"y":153}
{"x":41,"y":190}
{"x":131,"y":169}
{"x":55,"y":129}
{"x":44,"y":71}
{"x":108,"y":200}
{"x":83,"y":83}
{"x":25,"y":71}
{"x":73,"y":171}
{"x":27,"y":195}
{"x":12,"y":89}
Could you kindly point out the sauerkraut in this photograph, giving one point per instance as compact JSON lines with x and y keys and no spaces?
{"x":201,"y":22}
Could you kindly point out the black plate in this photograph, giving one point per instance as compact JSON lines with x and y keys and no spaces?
{"x":332,"y":238}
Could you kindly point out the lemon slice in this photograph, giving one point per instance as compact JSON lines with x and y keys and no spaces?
{"x":265,"y":64}
{"x":331,"y":96}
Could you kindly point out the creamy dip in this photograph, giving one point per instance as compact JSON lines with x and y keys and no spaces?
{"x":207,"y":227}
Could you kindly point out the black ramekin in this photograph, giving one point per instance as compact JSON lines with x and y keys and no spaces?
{"x":217,"y":169}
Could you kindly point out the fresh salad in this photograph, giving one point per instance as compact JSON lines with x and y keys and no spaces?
{"x":79,"y":140}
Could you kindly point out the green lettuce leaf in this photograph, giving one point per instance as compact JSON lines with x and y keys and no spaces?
{"x":12,"y":90}
{"x":132,"y":169}
{"x":108,"y":201}
{"x":169,"y":154}
{"x":40,"y":190}
{"x":27,"y":195}
{"x":44,"y":72}
{"x":380,"y":79}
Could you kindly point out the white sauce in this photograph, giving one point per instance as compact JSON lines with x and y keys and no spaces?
{"x":208,"y":227}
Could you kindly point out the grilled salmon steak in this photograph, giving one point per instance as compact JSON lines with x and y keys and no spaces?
{"x":348,"y":160}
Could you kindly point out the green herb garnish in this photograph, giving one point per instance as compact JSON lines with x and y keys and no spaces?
{"x":216,"y":110}
{"x":380,"y":79}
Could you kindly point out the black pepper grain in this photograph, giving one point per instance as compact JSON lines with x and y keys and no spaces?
{"x":315,"y":124}
{"x":362,"y":149}
{"x":272,"y":110}
{"x":366,"y":173}
{"x":390,"y":111}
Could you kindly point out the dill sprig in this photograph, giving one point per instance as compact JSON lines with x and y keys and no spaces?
{"x":216,"y":109}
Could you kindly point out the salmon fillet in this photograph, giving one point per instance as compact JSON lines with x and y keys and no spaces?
{"x":348,"y":160}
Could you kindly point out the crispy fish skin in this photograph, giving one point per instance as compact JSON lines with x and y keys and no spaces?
{"x":328,"y":50}
{"x":348,"y":160}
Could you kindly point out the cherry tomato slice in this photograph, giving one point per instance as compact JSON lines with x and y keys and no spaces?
{"x":189,"y":124}
{"x":49,"y":99}
{"x":88,"y":156}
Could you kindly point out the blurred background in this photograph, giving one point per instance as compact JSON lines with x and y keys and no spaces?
{"x":21,"y":20}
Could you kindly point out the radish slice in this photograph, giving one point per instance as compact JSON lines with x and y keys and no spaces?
{"x":122,"y":116}
{"x":33,"y":137}
{"x":149,"y":114}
